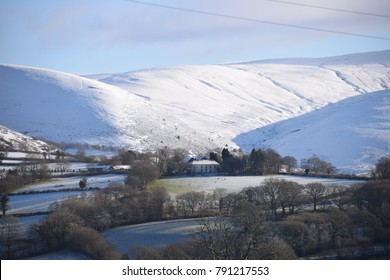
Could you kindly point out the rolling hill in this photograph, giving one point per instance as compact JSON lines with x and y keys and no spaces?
{"x":352,"y":134}
{"x":199,"y":107}
{"x":227,"y":100}
{"x":66,"y":108}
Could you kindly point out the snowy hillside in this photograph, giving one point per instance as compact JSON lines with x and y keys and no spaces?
{"x":66,"y":108}
{"x":352,"y":134}
{"x":195,"y":107}
{"x":227,"y":100}
{"x":14,"y":141}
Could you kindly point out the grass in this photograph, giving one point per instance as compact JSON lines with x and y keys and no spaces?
{"x":171,"y":188}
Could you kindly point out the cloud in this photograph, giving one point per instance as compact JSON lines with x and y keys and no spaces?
{"x":103,"y":23}
{"x":98,"y":27}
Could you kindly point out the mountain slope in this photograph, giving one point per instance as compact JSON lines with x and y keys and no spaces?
{"x":195,"y":107}
{"x":227,"y":100}
{"x":67,"y":108}
{"x":14,"y":141}
{"x":352,"y":134}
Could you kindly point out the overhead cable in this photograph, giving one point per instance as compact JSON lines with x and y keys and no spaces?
{"x":259,"y":20}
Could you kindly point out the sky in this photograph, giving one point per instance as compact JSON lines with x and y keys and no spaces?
{"x":96,"y":36}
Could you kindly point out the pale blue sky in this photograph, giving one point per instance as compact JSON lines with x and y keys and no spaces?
{"x":96,"y":36}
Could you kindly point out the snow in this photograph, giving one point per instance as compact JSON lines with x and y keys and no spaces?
{"x":92,"y":152}
{"x":351,"y":134}
{"x":11,"y":140}
{"x":194,"y":107}
{"x":67,"y":108}
{"x":151,"y":234}
{"x":99,"y":181}
{"x":28,"y":203}
{"x":40,"y":202}
{"x":237,"y":183}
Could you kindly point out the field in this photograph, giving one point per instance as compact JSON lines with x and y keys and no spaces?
{"x":236,"y":183}
{"x":150,"y":234}
{"x":40,"y":202}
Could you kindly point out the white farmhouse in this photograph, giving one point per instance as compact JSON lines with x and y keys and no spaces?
{"x":204,"y":166}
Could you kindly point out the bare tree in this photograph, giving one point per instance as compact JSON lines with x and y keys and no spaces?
{"x":340,"y":196}
{"x":316,"y":191}
{"x":159,"y":197}
{"x":290,"y":162}
{"x":269,"y":193}
{"x":317,"y":165}
{"x":383,"y":168}
{"x":4,"y":203}
{"x":191,"y":200}
{"x":92,"y":244}
{"x":10,"y":233}
{"x":297,"y":235}
{"x":289,"y":195}
{"x":146,"y":171}
{"x":218,"y":237}
{"x":237,"y":237}
{"x":219,"y":195}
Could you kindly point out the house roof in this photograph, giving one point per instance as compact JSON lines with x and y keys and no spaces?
{"x":204,"y":162}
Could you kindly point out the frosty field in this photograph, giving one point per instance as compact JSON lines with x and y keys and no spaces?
{"x":151,"y":234}
{"x":99,"y":181}
{"x":237,"y":183}
{"x":40,"y":202}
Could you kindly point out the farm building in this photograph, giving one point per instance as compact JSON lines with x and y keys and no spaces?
{"x":204,"y":166}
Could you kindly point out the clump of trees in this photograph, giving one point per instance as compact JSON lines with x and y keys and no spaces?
{"x":317,"y":166}
{"x":258,"y":162}
{"x":275,"y":221}
{"x":383,"y":168}
{"x":23,"y":175}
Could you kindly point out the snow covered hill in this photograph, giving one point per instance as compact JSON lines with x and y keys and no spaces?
{"x":194,"y":107}
{"x":14,"y":141}
{"x":66,"y":108}
{"x":227,"y":100}
{"x":352,"y":134}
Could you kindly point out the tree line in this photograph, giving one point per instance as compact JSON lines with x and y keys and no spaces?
{"x":278,"y":219}
{"x":353,"y":217}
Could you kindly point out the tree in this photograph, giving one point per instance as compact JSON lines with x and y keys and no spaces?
{"x":4,"y":203}
{"x":10,"y":232}
{"x":273,"y":161}
{"x":83,"y":183}
{"x":289,"y":162}
{"x":316,"y":191}
{"x":218,"y":237}
{"x":256,"y":161}
{"x":146,"y":171}
{"x":317,"y":165}
{"x":269,"y":193}
{"x":383,"y":168}
{"x":239,"y":237}
{"x":41,"y":172}
{"x":219,"y":194}
{"x":340,"y":196}
{"x":159,"y":197}
{"x":3,"y":155}
{"x":55,"y":230}
{"x":92,"y":244}
{"x":191,"y":200}
{"x":297,"y":235}
{"x":289,"y":195}
{"x":225,"y":154}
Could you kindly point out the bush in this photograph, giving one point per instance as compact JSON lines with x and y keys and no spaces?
{"x":90,"y":243}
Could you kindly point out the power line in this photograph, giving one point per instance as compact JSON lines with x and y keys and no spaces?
{"x":258,"y":20}
{"x":330,"y":9}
